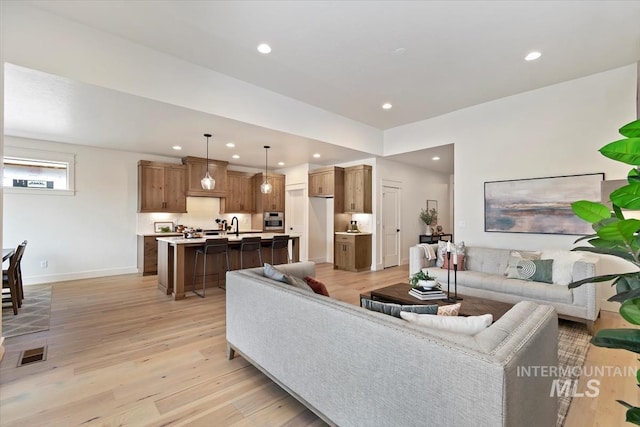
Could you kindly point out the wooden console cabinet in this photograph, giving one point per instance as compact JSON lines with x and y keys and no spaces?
{"x":161,"y":187}
{"x":352,"y":251}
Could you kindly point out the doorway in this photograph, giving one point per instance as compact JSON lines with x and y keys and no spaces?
{"x":295,"y":217}
{"x":390,"y":226}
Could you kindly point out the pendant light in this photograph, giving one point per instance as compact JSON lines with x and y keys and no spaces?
{"x":265,"y":188}
{"x":207,"y":182}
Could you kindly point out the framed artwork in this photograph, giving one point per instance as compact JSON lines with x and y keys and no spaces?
{"x":163,"y":227}
{"x":432,"y":204}
{"x":539,"y":205}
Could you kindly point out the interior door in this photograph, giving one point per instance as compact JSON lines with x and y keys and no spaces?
{"x":295,"y":218}
{"x":390,"y":226}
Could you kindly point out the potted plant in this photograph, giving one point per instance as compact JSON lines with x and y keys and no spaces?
{"x":422,"y":279}
{"x":429,"y":216}
{"x":618,"y":236}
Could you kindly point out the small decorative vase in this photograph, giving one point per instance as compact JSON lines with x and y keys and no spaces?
{"x":428,"y":230}
{"x":427,"y":284}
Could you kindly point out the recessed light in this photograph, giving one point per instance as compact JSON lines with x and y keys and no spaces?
{"x":435,"y":158}
{"x":177,"y":147}
{"x":317,"y":156}
{"x":280,"y":163}
{"x":230,"y":144}
{"x":235,"y":156}
{"x":399,"y":51}
{"x":386,"y":106}
{"x":264,"y":48}
{"x":532,"y":56}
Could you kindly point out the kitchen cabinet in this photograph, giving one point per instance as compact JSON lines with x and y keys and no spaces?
{"x":274,"y":201}
{"x":240,"y":197}
{"x":357,"y":189}
{"x":161,"y":187}
{"x":352,"y":251}
{"x":324,"y":182}
{"x":197,"y":168}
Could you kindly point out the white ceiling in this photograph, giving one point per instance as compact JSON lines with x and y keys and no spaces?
{"x":342,"y":57}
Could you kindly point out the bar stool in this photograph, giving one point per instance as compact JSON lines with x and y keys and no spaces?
{"x":214,"y":247}
{"x":278,"y":244}
{"x":250,"y":244}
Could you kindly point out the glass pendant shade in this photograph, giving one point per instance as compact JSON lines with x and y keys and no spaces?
{"x":265,"y":187}
{"x":207,"y":182}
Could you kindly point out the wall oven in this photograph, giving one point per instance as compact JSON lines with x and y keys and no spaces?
{"x":273,"y":221}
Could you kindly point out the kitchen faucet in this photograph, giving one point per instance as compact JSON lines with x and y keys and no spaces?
{"x":235,"y":218}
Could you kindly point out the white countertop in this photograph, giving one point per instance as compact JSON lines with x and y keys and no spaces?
{"x":232,"y":238}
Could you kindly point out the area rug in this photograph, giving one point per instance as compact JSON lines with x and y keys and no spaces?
{"x":573,"y":344}
{"x":34,"y":314}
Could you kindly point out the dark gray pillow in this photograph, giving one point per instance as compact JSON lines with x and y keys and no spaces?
{"x":395,"y":309}
{"x":297,"y":282}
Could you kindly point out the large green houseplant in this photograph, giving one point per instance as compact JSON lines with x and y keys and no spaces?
{"x":618,"y":236}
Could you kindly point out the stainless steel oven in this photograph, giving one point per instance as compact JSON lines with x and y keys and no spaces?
{"x":273,"y":221}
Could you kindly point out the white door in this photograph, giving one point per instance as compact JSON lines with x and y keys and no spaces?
{"x":294,"y":218}
{"x":390,"y":226}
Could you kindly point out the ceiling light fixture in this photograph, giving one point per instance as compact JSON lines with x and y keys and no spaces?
{"x":435,"y":158}
{"x":177,"y":147}
{"x":235,"y":156}
{"x":317,"y":156}
{"x":265,"y":188}
{"x":280,"y":163}
{"x":207,"y":182}
{"x":264,"y":48}
{"x":532,"y":56}
{"x":230,"y":144}
{"x":386,"y":106}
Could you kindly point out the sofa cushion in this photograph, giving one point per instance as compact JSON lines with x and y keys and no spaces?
{"x":486,"y":260}
{"x":297,"y":282}
{"x":395,"y":309}
{"x":537,"y":270}
{"x":446,"y":265}
{"x":273,"y":273}
{"x":442,"y":250}
{"x":317,"y":286}
{"x":515,"y":257}
{"x":562,"y":264}
{"x":470,"y":325}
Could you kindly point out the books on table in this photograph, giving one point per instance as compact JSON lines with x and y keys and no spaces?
{"x":427,"y":294}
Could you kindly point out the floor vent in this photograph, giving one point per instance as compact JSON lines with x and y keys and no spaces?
{"x":32,"y":356}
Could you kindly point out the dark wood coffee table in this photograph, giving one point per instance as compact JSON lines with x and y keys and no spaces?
{"x":471,"y":306}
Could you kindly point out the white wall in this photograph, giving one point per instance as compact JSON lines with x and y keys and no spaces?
{"x":89,"y":234}
{"x":552,"y":131}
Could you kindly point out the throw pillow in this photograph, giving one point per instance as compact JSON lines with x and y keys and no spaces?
{"x":446,"y":265}
{"x":516,"y":256}
{"x":536,"y":270}
{"x":562,"y":264}
{"x":395,"y":309}
{"x":449,"y":310}
{"x":297,"y":282}
{"x":317,"y":286}
{"x":442,"y":251}
{"x":470,"y":325}
{"x":273,"y":273}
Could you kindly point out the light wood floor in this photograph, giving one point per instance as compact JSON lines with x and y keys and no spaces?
{"x":121,"y":353}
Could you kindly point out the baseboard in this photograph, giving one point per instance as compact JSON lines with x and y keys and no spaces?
{"x":63,"y":277}
{"x":318,"y":260}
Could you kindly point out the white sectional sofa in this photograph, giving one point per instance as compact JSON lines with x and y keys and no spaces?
{"x":355,"y":367}
{"x":484,"y":276}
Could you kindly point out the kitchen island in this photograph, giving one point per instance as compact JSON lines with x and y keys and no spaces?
{"x":176,"y":256}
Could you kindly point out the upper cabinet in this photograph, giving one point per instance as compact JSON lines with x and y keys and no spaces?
{"x":357,"y":189}
{"x":323,"y":182}
{"x":274,"y":201}
{"x":161,"y":187}
{"x":240,"y":197}
{"x":197,"y":168}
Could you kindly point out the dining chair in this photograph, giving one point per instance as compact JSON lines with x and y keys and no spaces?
{"x":10,"y":280}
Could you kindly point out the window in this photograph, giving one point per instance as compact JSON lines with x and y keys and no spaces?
{"x":33,"y":171}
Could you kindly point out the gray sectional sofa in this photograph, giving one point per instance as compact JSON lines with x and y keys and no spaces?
{"x":484,"y":277}
{"x":355,"y":367}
